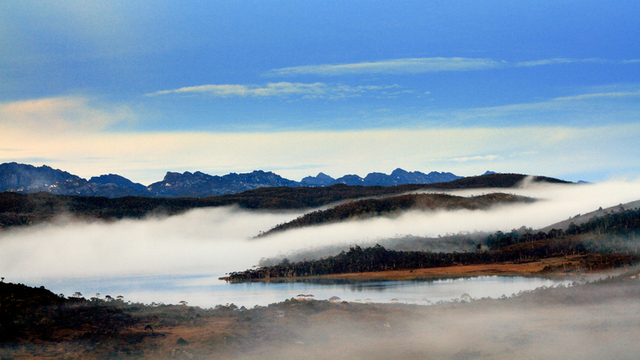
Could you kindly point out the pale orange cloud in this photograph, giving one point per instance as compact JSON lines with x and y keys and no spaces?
{"x":67,"y":114}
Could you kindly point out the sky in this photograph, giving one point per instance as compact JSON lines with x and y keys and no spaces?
{"x":298,"y":87}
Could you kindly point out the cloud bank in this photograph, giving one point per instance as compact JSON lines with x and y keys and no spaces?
{"x":219,"y":240}
{"x":70,"y":114}
{"x":146,"y":157}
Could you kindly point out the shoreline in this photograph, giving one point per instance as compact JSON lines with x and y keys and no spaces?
{"x":571,"y":263}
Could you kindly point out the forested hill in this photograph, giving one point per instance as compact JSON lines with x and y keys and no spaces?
{"x":28,"y":209}
{"x":367,"y":208}
{"x":605,"y":242}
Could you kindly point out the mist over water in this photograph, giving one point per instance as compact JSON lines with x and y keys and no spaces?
{"x":216,"y":241}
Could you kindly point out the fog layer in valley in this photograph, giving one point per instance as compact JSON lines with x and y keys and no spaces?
{"x":220,"y":240}
{"x":497,"y":330}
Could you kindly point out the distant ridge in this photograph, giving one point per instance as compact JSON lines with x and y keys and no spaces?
{"x":200,"y":184}
{"x":397,"y":177}
{"x":23,"y":178}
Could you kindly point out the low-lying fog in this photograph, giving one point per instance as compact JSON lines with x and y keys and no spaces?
{"x":601,"y":330}
{"x":220,"y":240}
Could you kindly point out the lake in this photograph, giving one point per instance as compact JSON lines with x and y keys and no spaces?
{"x":208,"y":291}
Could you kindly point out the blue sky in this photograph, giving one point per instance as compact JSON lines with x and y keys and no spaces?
{"x":139,"y":88}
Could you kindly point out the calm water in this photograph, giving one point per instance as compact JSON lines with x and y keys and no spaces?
{"x":208,"y":291}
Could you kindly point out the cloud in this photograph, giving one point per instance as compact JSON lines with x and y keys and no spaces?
{"x":61,"y":114}
{"x":582,"y":107}
{"x":316,"y":90}
{"x":271,"y":89}
{"x":396,"y":66}
{"x":476,"y":158}
{"x":610,"y":95}
{"x":558,"y":61}
{"x":424,"y":65}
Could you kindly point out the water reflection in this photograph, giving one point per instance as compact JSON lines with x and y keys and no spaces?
{"x":208,"y":291}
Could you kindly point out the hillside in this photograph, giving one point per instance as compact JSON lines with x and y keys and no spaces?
{"x":580,"y":219}
{"x":604,"y":242}
{"x":389,"y":206}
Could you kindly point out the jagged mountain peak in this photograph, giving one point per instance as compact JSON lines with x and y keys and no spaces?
{"x":399,"y":172}
{"x":27,"y":178}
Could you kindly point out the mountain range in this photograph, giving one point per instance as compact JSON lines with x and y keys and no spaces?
{"x":24,"y":178}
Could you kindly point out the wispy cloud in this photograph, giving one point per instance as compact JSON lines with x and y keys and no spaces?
{"x":610,"y":95}
{"x":425,"y":65}
{"x":322,"y":90}
{"x":396,"y":66}
{"x":558,"y":61}
{"x":476,"y":158}
{"x":582,"y":104}
{"x":271,"y":89}
{"x":316,"y":90}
